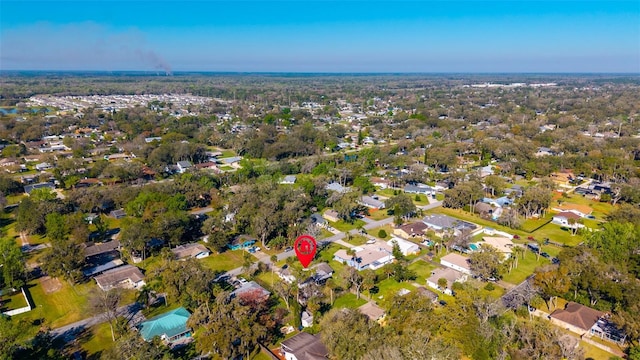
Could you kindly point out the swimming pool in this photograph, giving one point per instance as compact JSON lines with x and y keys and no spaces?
{"x":473,"y":247}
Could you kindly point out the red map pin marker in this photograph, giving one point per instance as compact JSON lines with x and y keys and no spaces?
{"x":305,"y":247}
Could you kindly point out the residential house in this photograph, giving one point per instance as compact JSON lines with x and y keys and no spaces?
{"x":233,"y":160}
{"x":184,"y":166}
{"x":331,"y":215}
{"x":152,"y":139}
{"x":576,"y":318}
{"x":563,"y":219}
{"x":118,"y":214}
{"x":515,"y":190}
{"x":318,"y":220}
{"x":323,"y":272}
{"x":456,"y":262}
{"x":304,"y":346}
{"x":43,"y":166}
{"x":306,"y":319}
{"x":406,"y":247}
{"x":371,"y":202}
{"x":250,"y":288}
{"x":442,"y":224}
{"x":419,"y":189}
{"x":189,"y":251}
{"x":442,"y":186}
{"x":485,"y":171}
{"x":410,"y":230}
{"x":127,"y":276}
{"x":101,"y":248}
{"x":241,"y":242}
{"x":380,"y":182}
{"x":334,"y":186}
{"x":88,"y":182}
{"x":289,"y":179}
{"x":448,"y":274}
{"x":286,"y":275}
{"x":502,"y":244}
{"x":369,"y":256}
{"x":483,"y":209}
{"x":171,"y":327}
{"x":45,"y":185}
{"x":373,"y":311}
{"x":580,"y":210}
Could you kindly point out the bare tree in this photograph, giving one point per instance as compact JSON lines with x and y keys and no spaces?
{"x":104,"y":304}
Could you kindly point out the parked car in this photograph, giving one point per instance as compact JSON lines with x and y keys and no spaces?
{"x":555,"y":261}
{"x":288,"y":248}
{"x":371,"y":241}
{"x":545,"y":255}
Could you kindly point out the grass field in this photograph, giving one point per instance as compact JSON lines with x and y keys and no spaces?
{"x":423,"y":199}
{"x":387,"y":228}
{"x":97,"y":339}
{"x":525,"y":268}
{"x":388,"y":289}
{"x":345,"y":226}
{"x":14,"y":301}
{"x":348,"y":300}
{"x":225,"y":261}
{"x":376,"y":214}
{"x":423,"y":270}
{"x":62,"y":307}
{"x":356,"y":240}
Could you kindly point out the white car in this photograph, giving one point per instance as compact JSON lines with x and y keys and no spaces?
{"x":371,"y":241}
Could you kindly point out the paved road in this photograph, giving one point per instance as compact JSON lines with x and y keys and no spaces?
{"x":70,"y":331}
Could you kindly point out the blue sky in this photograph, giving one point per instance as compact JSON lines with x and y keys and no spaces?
{"x":321,"y":36}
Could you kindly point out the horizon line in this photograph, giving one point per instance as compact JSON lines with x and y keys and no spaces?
{"x":173,"y":72}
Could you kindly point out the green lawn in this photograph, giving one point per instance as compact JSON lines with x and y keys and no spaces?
{"x":356,"y":240}
{"x":345,"y":226}
{"x":324,"y":233}
{"x":525,"y":268}
{"x":375,"y":214}
{"x":98,"y":339}
{"x":387,"y":228}
{"x":558,"y":234}
{"x":423,"y":199}
{"x":227,"y":168}
{"x":388,"y":289}
{"x":423,"y":270}
{"x":225,"y":261}
{"x":348,"y":300}
{"x":386,"y":192}
{"x":14,"y":301}
{"x":532,"y":224}
{"x":14,"y":199}
{"x":62,"y":307}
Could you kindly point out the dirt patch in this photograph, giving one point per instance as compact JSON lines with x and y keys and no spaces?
{"x":50,"y":284}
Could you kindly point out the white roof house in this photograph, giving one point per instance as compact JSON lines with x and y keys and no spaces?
{"x":502,"y":244}
{"x":406,"y":247}
{"x":456,"y":262}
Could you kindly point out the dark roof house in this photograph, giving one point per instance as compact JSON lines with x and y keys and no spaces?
{"x":577,"y":317}
{"x":304,"y":346}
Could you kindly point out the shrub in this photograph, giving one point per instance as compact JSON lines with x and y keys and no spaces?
{"x":382,"y":234}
